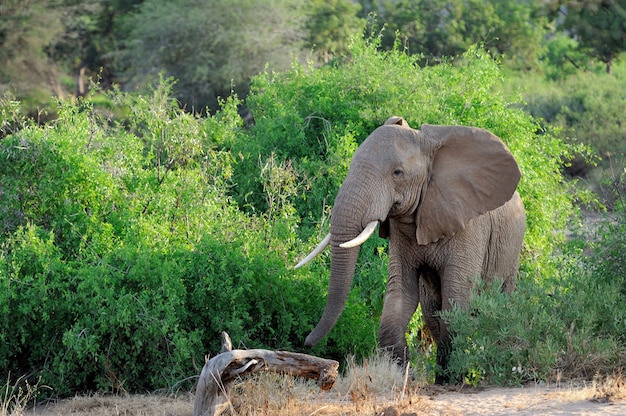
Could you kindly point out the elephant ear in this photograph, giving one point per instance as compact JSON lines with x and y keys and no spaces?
{"x":397,"y":121}
{"x":472,"y":172}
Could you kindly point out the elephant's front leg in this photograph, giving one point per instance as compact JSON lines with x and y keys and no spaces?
{"x":400,"y":304}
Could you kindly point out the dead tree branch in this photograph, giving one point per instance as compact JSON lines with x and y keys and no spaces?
{"x":218,"y":374}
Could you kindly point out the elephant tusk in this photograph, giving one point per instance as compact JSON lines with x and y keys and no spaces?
{"x":321,"y":246}
{"x":361,"y":238}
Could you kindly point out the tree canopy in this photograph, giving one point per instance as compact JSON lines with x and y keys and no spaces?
{"x":213,"y":48}
{"x":599,"y":26}
{"x":330,"y":24}
{"x":27,"y":29}
{"x":437,"y":29}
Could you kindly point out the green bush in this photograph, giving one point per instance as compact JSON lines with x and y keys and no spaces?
{"x":570,"y":324}
{"x":35,"y":297}
{"x":123,"y":257}
{"x":505,"y":339}
{"x":126,"y":332}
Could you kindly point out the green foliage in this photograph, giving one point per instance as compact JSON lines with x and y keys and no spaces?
{"x":610,"y":242}
{"x":505,"y":339}
{"x":11,"y":115}
{"x":562,"y":57}
{"x":127,"y":315}
{"x":122,"y":256}
{"x":567,"y":326}
{"x":26,"y":29}
{"x":330,"y":26}
{"x":93,"y":31}
{"x":246,"y":289}
{"x":36,"y":284}
{"x":438,"y":29}
{"x":599,"y":26}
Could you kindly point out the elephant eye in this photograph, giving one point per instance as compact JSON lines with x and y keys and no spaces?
{"x":398,"y":172}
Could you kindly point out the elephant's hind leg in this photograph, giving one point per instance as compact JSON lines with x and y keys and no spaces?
{"x":431,"y":305}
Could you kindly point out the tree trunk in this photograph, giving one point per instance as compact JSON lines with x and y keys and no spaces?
{"x":80,"y":81}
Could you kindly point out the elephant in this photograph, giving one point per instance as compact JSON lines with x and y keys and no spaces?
{"x":446,"y":198}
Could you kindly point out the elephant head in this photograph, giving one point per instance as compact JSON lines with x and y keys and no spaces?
{"x":433,"y":180}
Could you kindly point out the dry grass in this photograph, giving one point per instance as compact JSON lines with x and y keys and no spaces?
{"x":611,"y":388}
{"x":603,"y":389}
{"x":126,"y":405}
{"x":375,"y":387}
{"x":15,"y":398}
{"x":367,"y":388}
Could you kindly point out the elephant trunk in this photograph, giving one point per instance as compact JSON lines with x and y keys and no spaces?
{"x":341,"y":274}
{"x":353,"y":220}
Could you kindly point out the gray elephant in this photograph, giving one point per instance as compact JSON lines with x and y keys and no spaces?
{"x":446,"y":198}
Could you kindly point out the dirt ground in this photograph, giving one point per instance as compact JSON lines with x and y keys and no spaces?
{"x":534,"y":400}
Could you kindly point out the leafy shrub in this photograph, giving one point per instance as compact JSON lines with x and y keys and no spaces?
{"x":244,"y":288}
{"x":122,"y":256}
{"x":568,"y":326}
{"x":571,"y":324}
{"x":36,"y":283}
{"x":505,"y":338}
{"x":126,"y":330}
{"x":12,"y":117}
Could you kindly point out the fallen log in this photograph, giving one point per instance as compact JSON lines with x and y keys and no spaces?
{"x":217,"y":375}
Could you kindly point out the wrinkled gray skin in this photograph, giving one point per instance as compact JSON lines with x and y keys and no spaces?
{"x":445,"y":197}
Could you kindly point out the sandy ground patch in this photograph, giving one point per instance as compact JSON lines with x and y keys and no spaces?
{"x":534,"y":400}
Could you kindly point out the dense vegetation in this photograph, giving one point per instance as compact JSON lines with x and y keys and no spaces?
{"x":134,"y":231}
{"x":557,"y":48}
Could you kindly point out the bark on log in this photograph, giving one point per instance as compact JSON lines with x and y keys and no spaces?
{"x":218,"y":374}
